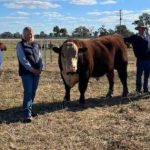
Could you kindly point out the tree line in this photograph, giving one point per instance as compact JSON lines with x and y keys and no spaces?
{"x":84,"y":32}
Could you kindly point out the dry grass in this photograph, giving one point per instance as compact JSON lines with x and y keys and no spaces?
{"x":103,"y":124}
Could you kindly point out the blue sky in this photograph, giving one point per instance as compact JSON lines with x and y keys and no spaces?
{"x":43,"y":15}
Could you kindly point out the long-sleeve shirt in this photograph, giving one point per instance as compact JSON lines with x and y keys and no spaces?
{"x":141,"y":46}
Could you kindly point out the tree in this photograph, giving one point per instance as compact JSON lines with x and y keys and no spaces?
{"x":81,"y":31}
{"x":51,"y":34}
{"x":95,"y":33}
{"x":56,"y":31}
{"x":122,"y":29}
{"x":7,"y":35}
{"x":63,"y":32}
{"x":102,"y":30}
{"x":42,"y":34}
{"x":144,"y":19}
{"x":17,"y":35}
{"x":110,"y":31}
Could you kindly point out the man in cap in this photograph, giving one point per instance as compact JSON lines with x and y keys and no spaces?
{"x":141,"y":48}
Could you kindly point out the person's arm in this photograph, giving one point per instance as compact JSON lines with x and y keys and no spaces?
{"x":40,"y":60}
{"x":22,"y":58}
{"x":128,"y":39}
{"x":148,"y":39}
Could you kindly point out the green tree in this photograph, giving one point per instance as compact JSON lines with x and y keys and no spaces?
{"x":81,"y":31}
{"x":122,"y":29}
{"x":17,"y":35}
{"x":110,"y":31}
{"x":95,"y":33}
{"x":51,"y":34}
{"x":42,"y":34}
{"x":102,"y":30}
{"x":7,"y":35}
{"x":63,"y":32}
{"x":144,"y":19}
{"x":56,"y":31}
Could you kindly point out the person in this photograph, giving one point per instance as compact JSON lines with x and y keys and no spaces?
{"x":141,"y":48}
{"x":2,"y":48}
{"x":30,"y":68}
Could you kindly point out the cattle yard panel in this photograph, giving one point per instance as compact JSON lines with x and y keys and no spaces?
{"x":44,"y":44}
{"x":46,"y":49}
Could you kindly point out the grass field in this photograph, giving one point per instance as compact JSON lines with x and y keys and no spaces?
{"x":103,"y":124}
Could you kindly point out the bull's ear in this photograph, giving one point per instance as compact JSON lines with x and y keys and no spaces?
{"x":82,"y":49}
{"x":56,"y":49}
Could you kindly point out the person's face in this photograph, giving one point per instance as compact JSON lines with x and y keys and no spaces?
{"x":141,"y":31}
{"x":29,"y":35}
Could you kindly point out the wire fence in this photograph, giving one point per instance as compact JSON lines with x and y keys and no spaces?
{"x":45,"y":45}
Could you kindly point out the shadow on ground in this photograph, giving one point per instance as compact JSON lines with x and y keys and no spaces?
{"x":13,"y":115}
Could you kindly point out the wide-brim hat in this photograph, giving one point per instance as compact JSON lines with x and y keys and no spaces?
{"x":140,"y":25}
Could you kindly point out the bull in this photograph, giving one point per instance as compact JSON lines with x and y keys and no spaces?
{"x":81,"y":59}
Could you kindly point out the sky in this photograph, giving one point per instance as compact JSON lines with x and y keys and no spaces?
{"x":44,"y":15}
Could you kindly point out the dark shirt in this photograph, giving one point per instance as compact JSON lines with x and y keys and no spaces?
{"x":140,"y":46}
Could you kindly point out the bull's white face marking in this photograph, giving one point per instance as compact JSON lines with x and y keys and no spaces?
{"x":69,"y":60}
{"x":69,"y":57}
{"x":70,"y":80}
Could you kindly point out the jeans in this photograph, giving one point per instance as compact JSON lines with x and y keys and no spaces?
{"x":30,"y":84}
{"x":143,"y":66}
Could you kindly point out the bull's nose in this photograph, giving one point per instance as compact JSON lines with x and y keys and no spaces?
{"x":73,"y":69}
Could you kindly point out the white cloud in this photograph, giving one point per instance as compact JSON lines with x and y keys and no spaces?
{"x":83,"y":2}
{"x":23,"y":13}
{"x":98,"y":13}
{"x":43,"y":4}
{"x":52,"y":14}
{"x":146,"y":11}
{"x":108,"y":2}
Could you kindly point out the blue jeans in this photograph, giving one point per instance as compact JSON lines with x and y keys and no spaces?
{"x":143,"y":66}
{"x":30,"y":84}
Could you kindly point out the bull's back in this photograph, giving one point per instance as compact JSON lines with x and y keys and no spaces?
{"x":98,"y":58}
{"x":104,"y":54}
{"x":116,"y":47}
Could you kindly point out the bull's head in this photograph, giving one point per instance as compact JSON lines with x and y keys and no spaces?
{"x":69,"y":54}
{"x":3,"y":47}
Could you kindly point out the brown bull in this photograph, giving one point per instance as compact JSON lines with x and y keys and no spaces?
{"x":81,"y":59}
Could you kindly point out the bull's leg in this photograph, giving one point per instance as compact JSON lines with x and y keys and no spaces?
{"x":83,"y":82}
{"x":110,"y":77}
{"x":67,"y":93}
{"x":122,"y":72}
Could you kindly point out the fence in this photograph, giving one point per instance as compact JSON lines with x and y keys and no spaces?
{"x":44,"y":44}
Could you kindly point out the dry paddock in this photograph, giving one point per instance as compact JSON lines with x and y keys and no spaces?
{"x":102,"y":124}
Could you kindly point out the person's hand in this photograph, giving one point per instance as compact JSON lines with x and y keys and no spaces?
{"x":36,"y":71}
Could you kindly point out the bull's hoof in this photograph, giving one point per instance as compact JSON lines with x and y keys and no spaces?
{"x":108,"y":95}
{"x":66,"y":100}
{"x":125,"y":94}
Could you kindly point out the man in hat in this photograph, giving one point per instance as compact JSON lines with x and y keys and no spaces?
{"x":141,"y":48}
